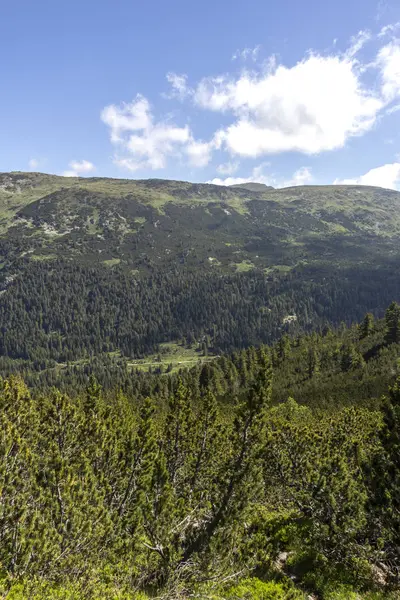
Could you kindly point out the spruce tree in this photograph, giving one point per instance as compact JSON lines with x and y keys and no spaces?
{"x":351,"y":358}
{"x":313,"y":363}
{"x":367,"y":326}
{"x":392,"y":319}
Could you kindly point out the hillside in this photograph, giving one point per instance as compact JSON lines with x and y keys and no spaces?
{"x":96,"y":266}
{"x":161,"y":450}
{"x":157,"y":223}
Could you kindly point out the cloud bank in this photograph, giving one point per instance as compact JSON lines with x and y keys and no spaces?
{"x":302,"y":176}
{"x":386,"y":176}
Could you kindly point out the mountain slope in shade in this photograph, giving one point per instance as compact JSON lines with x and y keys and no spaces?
{"x":147,"y":224}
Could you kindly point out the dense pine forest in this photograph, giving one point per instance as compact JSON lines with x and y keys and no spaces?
{"x":200,"y":391}
{"x":267,"y":473}
{"x":66,"y":312}
{"x":98,"y":274}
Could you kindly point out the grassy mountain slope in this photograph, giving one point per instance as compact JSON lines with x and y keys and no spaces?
{"x":102,"y":220}
{"x":94,"y":266}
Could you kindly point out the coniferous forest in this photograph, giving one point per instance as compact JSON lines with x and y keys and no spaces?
{"x":200,"y":300}
{"x":200,"y":391}
{"x":268,"y":473}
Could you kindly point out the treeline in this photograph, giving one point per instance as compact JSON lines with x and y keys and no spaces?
{"x":217,"y":486}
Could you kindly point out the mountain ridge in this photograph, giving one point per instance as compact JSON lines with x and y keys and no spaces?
{"x":261,"y":187}
{"x":252,"y":186}
{"x":173,"y":222}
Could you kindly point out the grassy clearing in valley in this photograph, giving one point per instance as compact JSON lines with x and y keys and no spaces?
{"x":245,"y":265}
{"x":172,"y":357}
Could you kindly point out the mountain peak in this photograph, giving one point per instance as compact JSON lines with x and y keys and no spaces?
{"x":252,"y":186}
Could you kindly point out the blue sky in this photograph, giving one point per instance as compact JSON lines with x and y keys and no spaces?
{"x":283,"y":92}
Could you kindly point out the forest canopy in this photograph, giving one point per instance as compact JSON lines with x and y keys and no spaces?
{"x":213,"y":481}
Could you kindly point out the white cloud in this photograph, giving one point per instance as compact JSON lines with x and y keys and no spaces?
{"x":228,"y":168}
{"x":33,"y":164}
{"x":247,"y":53}
{"x":300,"y":177}
{"x":231,"y":180}
{"x":78,"y":168}
{"x":312,"y":106}
{"x":388,"y":60}
{"x":180,"y":89}
{"x":393,"y":109}
{"x":83,"y":166}
{"x":146,"y":142}
{"x":357,"y":42}
{"x":386,"y":176}
{"x":315,"y":105}
{"x":128,"y":117}
{"x":258,"y":175}
{"x":389,"y":29}
{"x":199,"y":153}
